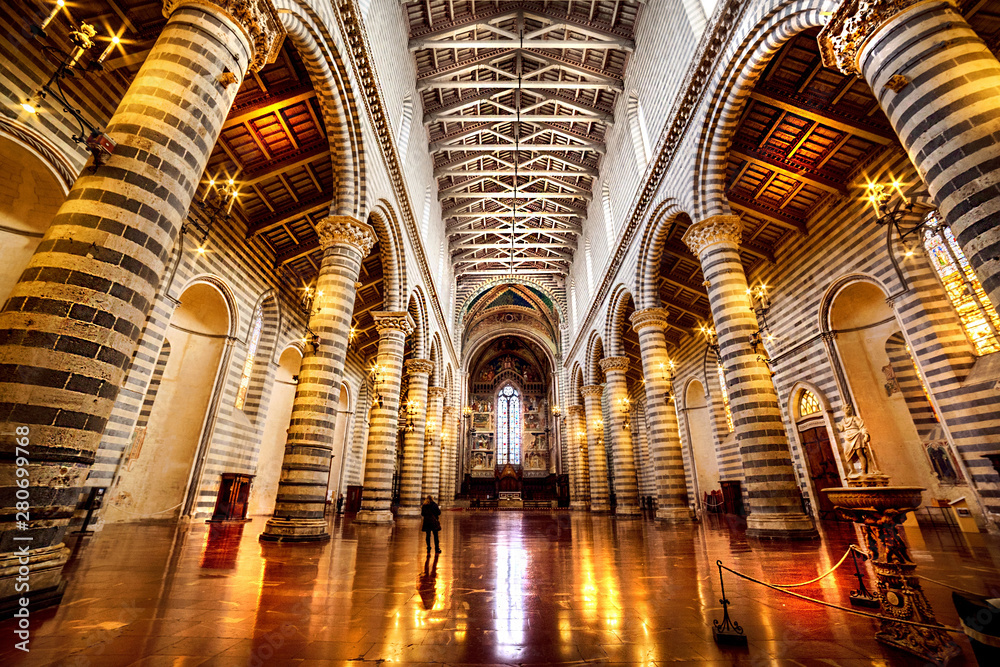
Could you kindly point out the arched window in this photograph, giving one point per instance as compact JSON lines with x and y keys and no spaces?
{"x":508,"y":426}
{"x":425,"y":220}
{"x":609,"y":218}
{"x":637,"y":128}
{"x":979,"y":317}
{"x":808,"y":403}
{"x":257,"y":325}
{"x":440,"y":275}
{"x":572,"y":300}
{"x":725,"y":399}
{"x":405,"y":123}
{"x":588,"y":257}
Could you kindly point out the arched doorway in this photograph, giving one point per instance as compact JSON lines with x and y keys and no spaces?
{"x":157,"y":472}
{"x":878,"y":367}
{"x":701,"y":441}
{"x":809,"y":410}
{"x":272,"y":443}
{"x":30,"y":197}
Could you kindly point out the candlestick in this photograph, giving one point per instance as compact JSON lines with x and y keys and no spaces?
{"x":107,"y":51}
{"x":55,"y":10}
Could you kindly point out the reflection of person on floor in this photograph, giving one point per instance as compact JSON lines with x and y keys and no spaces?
{"x":432,"y":523}
{"x":427,"y":583}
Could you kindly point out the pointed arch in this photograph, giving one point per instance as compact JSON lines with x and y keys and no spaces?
{"x":436,"y":375}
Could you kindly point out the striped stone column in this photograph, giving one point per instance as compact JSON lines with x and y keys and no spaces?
{"x":433,"y":460}
{"x":577,"y":424}
{"x":70,"y":328}
{"x":380,"y":461}
{"x":774,"y":495}
{"x":600,"y":500}
{"x":666,"y":455}
{"x":299,"y":510}
{"x":449,"y":453}
{"x":622,"y":452}
{"x":412,"y":474}
{"x":937,"y":82}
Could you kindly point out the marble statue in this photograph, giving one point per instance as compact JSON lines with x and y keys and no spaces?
{"x":857,"y":445}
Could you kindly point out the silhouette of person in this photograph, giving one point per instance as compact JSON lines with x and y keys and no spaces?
{"x":432,"y":523}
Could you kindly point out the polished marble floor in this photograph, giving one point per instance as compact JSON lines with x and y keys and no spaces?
{"x":509,"y":588}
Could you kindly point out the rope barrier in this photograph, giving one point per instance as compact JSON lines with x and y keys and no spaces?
{"x":822,"y":576}
{"x":954,"y":588}
{"x":122,"y":509}
{"x":931,"y":626}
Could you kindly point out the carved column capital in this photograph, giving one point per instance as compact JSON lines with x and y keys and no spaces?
{"x":853,"y":24}
{"x":614,"y":364}
{"x":257,"y":18}
{"x":345,"y":230}
{"x":448,"y":411}
{"x":712,"y":231}
{"x":592,"y":390}
{"x":419,"y":366}
{"x":575,"y":411}
{"x":436,"y":392}
{"x":386,"y":320}
{"x":649,"y":317}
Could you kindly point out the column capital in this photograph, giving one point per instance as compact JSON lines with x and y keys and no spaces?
{"x":257,"y":18}
{"x":850,"y":27}
{"x":345,"y":230}
{"x":711,"y":231}
{"x":592,"y":390}
{"x":419,"y":367}
{"x":649,"y":317}
{"x":575,"y":410}
{"x":614,"y":364}
{"x":388,"y":320}
{"x":448,"y":411}
{"x":436,"y":392}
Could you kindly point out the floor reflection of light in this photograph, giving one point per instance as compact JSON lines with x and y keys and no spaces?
{"x":512,"y":563}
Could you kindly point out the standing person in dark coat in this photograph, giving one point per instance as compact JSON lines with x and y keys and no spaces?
{"x":432,"y":523}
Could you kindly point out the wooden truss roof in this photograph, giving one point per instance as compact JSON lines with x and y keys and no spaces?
{"x":517,"y":97}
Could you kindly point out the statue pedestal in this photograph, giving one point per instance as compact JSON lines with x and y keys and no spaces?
{"x":879,"y":510}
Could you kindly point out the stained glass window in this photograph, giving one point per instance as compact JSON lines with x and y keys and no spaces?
{"x":508,"y":426}
{"x":808,"y":403}
{"x":725,"y":399}
{"x":979,"y":317}
{"x":258,"y":325}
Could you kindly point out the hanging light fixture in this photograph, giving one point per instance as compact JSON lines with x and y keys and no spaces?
{"x":100,"y":145}
{"x":625,"y":408}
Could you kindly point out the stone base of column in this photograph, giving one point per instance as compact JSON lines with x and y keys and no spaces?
{"x":581,"y":505}
{"x":373,"y":516}
{"x":45,"y":567}
{"x":295,"y":530}
{"x":600,"y":509}
{"x":406,"y":511}
{"x":628,"y":511}
{"x":781,"y":527}
{"x":675,"y":514}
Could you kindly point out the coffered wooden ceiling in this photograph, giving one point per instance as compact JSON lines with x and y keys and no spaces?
{"x":517,"y":97}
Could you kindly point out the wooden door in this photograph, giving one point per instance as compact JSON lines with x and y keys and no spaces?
{"x":822,"y":467}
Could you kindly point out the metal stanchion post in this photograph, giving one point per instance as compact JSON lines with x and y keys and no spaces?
{"x":728,"y":631}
